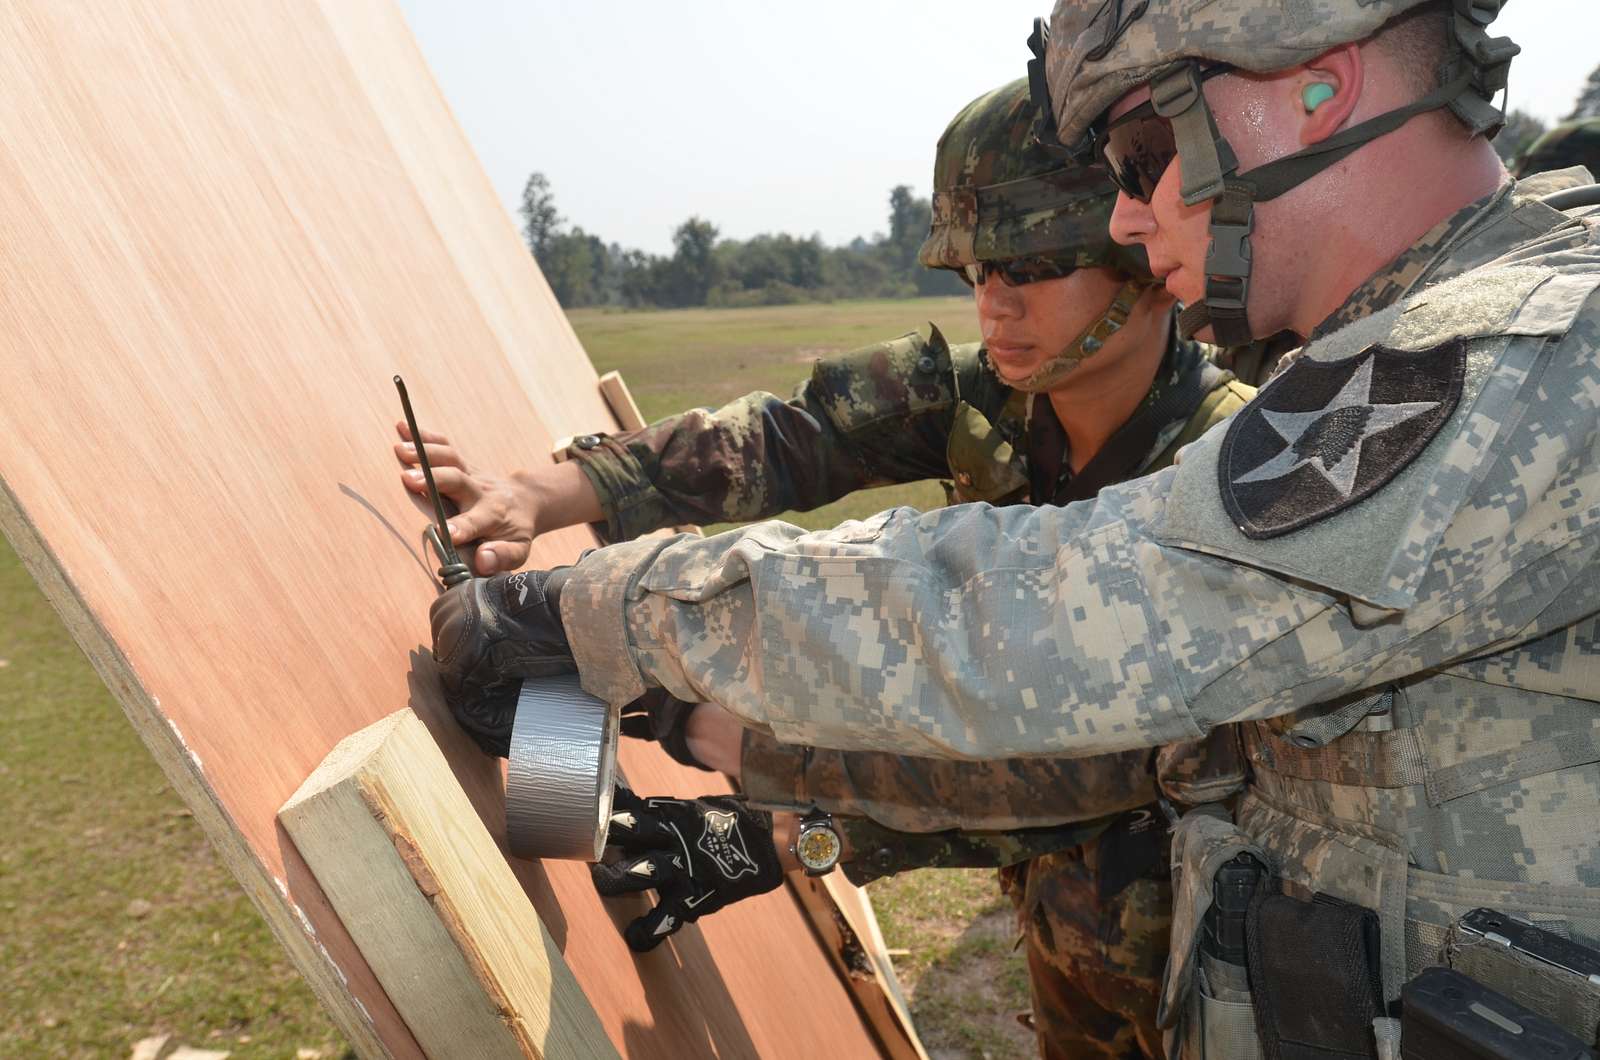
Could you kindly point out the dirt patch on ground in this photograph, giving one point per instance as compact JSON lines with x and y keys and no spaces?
{"x":965,"y":979}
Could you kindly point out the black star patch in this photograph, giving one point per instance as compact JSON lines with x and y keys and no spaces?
{"x":1322,"y":437}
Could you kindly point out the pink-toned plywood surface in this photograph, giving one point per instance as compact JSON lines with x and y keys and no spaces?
{"x":223,"y":227}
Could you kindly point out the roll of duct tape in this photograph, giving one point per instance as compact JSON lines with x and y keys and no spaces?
{"x":562,"y":769}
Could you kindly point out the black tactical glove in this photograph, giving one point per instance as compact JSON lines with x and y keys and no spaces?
{"x":697,"y":855}
{"x":662,"y":717}
{"x":489,"y":634}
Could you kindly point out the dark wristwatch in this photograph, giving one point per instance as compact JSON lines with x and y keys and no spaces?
{"x":817,"y":843}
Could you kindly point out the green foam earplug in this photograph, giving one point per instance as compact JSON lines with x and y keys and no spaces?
{"x":1316,"y":95}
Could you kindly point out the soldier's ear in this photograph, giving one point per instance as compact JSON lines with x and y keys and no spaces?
{"x":1326,"y":91}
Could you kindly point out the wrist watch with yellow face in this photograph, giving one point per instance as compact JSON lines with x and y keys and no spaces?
{"x":817,"y":843}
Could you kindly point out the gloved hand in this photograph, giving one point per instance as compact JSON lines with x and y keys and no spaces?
{"x":657,"y":715}
{"x":697,"y":855}
{"x":489,"y":634}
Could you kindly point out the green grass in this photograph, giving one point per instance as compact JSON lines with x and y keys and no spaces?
{"x":963,"y":975}
{"x":91,"y":828}
{"x":91,"y":825}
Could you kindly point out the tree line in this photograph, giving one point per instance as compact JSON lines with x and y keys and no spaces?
{"x":707,"y":270}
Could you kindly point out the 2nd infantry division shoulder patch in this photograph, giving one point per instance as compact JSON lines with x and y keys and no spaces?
{"x":1322,"y":437}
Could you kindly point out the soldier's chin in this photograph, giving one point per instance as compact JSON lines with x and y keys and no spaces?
{"x":1014,"y":367}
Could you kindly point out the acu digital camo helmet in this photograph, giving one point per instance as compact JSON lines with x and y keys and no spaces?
{"x":1002,"y":195}
{"x":1099,"y":50}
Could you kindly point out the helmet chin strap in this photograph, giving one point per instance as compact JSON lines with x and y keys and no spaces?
{"x":1475,"y":73}
{"x":1051,"y":373}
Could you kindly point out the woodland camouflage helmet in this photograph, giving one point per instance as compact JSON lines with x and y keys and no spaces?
{"x":1002,"y":195}
{"x":1099,"y":50}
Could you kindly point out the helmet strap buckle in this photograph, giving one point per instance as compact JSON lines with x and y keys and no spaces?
{"x":1228,"y":265}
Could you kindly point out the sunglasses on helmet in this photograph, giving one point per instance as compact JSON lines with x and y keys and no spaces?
{"x":1137,"y":148}
{"x":1015,"y":272}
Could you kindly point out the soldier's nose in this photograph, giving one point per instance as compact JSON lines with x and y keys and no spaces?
{"x":1132,"y":221}
{"x":997,"y":300}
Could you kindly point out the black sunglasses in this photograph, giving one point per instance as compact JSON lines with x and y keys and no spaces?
{"x":1016,"y":272}
{"x":1137,"y":148}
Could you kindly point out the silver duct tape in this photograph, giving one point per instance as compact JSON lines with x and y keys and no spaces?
{"x":562,"y":767}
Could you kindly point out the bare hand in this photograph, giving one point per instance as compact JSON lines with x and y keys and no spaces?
{"x":715,"y":737}
{"x":501,"y":511}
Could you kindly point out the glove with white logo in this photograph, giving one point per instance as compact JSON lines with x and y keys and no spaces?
{"x":697,"y":855}
{"x":489,"y":634}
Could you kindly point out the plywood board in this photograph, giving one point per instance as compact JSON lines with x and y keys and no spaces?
{"x":226,"y":226}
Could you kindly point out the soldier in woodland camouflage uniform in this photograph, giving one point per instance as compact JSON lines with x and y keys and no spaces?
{"x":1387,"y":565}
{"x":1094,"y":900}
{"x":1572,"y":143}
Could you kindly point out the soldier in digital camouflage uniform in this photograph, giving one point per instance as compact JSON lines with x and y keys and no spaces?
{"x":1081,"y":843}
{"x":1387,"y":565}
{"x":1572,"y":143}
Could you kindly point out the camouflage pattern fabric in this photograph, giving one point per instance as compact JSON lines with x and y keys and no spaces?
{"x":1198,"y":772}
{"x":999,"y":194}
{"x":1202,"y":842}
{"x":877,"y":851}
{"x":1096,"y":953}
{"x":1441,"y":253}
{"x":1572,"y":143}
{"x":1144,"y":617}
{"x":900,"y":794}
{"x":874,"y":416}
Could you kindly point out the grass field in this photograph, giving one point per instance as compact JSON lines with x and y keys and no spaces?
{"x":117,"y":922}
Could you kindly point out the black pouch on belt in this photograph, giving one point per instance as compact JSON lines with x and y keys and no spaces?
{"x":1314,"y":971}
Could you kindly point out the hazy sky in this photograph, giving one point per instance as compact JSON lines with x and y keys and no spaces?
{"x":769,"y":117}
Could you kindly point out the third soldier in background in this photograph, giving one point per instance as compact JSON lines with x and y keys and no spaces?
{"x":1572,"y":143}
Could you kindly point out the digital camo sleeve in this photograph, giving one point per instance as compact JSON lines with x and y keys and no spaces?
{"x":967,"y":632}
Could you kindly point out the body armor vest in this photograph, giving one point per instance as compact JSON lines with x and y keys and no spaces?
{"x":1443,"y":791}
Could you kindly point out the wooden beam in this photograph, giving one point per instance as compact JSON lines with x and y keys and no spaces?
{"x":427,"y":895}
{"x":620,"y":400}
